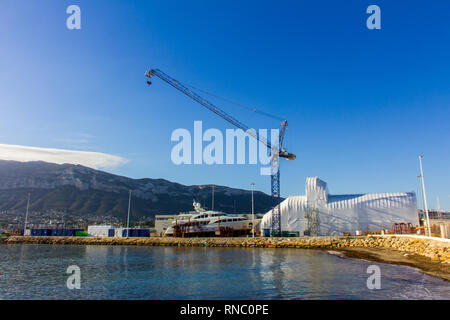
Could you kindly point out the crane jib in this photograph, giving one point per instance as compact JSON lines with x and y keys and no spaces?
{"x":253,"y":133}
{"x":179,"y":86}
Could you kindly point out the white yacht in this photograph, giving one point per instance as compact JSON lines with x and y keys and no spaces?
{"x":203,"y":222}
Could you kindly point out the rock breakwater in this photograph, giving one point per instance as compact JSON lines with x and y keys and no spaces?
{"x":436,"y":249}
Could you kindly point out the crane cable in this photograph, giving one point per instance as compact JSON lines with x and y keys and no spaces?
{"x":235,"y":103}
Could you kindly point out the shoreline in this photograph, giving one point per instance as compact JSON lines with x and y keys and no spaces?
{"x":391,"y":256}
{"x":431,"y":256}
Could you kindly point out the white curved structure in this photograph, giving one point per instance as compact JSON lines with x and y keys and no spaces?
{"x":319,"y":213}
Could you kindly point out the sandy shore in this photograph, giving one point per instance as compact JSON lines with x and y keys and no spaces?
{"x":392,"y":256}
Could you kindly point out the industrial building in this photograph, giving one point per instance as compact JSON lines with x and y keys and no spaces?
{"x":439,"y":222}
{"x":320,"y":214}
{"x":163,"y":221}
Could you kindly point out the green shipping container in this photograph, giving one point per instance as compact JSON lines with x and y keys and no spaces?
{"x":81,"y":234}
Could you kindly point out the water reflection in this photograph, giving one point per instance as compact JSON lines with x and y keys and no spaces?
{"x":109,"y":272}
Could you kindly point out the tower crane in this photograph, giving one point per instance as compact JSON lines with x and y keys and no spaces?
{"x":276,"y":148}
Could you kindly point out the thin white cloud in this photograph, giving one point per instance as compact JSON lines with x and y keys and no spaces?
{"x":94,"y":160}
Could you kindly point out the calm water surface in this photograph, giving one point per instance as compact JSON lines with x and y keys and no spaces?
{"x":39,"y":272}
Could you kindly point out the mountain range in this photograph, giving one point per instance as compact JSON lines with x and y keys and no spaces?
{"x":80,"y":190}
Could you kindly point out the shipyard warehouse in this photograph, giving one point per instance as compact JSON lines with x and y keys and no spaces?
{"x":317,"y":213}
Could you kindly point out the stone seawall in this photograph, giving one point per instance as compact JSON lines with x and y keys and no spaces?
{"x":436,"y":249}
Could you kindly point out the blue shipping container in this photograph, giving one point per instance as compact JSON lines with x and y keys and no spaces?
{"x":136,"y":232}
{"x":54,"y":232}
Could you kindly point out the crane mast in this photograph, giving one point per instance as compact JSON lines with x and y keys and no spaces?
{"x":276,"y":150}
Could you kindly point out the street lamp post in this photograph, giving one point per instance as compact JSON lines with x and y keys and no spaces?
{"x":253,"y":212}
{"x":424,"y":196}
{"x":128,"y":218}
{"x":212,"y":200}
{"x":26,"y":215}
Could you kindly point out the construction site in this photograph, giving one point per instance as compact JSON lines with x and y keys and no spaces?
{"x":317,"y":213}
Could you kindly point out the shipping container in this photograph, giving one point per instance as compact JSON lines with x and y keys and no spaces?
{"x":101,"y":231}
{"x":134,"y":232}
{"x":54,"y":232}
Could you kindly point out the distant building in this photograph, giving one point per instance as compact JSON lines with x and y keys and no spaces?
{"x":162,"y":222}
{"x":435,"y":214}
{"x":319,"y":213}
{"x":439,"y":221}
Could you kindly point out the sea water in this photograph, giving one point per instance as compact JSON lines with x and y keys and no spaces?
{"x":124,"y":272}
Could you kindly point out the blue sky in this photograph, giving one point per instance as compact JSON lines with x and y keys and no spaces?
{"x":361,"y":104}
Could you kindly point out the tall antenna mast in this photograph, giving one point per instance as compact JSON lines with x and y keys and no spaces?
{"x":425,"y":196}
